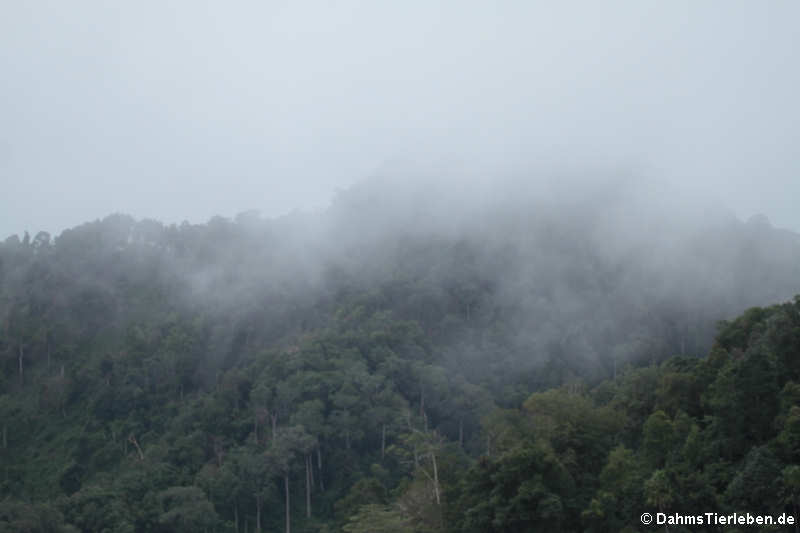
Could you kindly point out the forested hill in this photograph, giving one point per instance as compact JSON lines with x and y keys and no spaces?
{"x":377,"y":366}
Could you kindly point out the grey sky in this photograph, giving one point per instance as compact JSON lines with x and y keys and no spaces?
{"x":186,"y":109}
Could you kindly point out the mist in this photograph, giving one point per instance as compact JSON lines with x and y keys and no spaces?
{"x":510,"y":274}
{"x":352,"y":266}
{"x":186,"y":111}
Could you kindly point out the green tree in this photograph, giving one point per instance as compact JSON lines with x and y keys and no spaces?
{"x":375,"y":518}
{"x":658,"y":438}
{"x":658,"y":491}
{"x":186,"y":510}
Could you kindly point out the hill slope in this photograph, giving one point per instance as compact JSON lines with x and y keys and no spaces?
{"x":210,"y":377}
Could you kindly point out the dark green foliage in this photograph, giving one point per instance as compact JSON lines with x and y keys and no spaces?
{"x":186,"y":510}
{"x":152,"y":381}
{"x":525,"y":489}
{"x":755,"y":484}
{"x":19,"y":517}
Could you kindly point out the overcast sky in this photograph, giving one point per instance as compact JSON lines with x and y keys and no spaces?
{"x":185,"y":109}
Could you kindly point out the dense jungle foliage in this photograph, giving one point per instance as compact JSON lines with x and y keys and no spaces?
{"x":512,"y":372}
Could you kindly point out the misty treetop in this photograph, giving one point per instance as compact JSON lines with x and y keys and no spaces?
{"x":407,"y":360}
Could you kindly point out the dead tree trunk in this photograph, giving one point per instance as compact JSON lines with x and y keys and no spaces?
{"x":20,"y":357}
{"x":383,"y":441}
{"x":319,"y":467}
{"x":311,"y":471}
{"x":435,"y":478}
{"x":286,"y":490}
{"x":258,"y":514}
{"x":308,"y":486}
{"x":132,"y":440}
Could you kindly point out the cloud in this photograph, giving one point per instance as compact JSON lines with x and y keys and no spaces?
{"x":184,"y":111}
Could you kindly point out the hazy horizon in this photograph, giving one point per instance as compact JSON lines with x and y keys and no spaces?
{"x":184,"y":112}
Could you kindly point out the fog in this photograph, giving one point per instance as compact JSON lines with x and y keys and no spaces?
{"x":514,"y":280}
{"x":189,"y":110}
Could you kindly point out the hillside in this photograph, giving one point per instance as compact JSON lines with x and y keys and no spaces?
{"x":414,"y":358}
